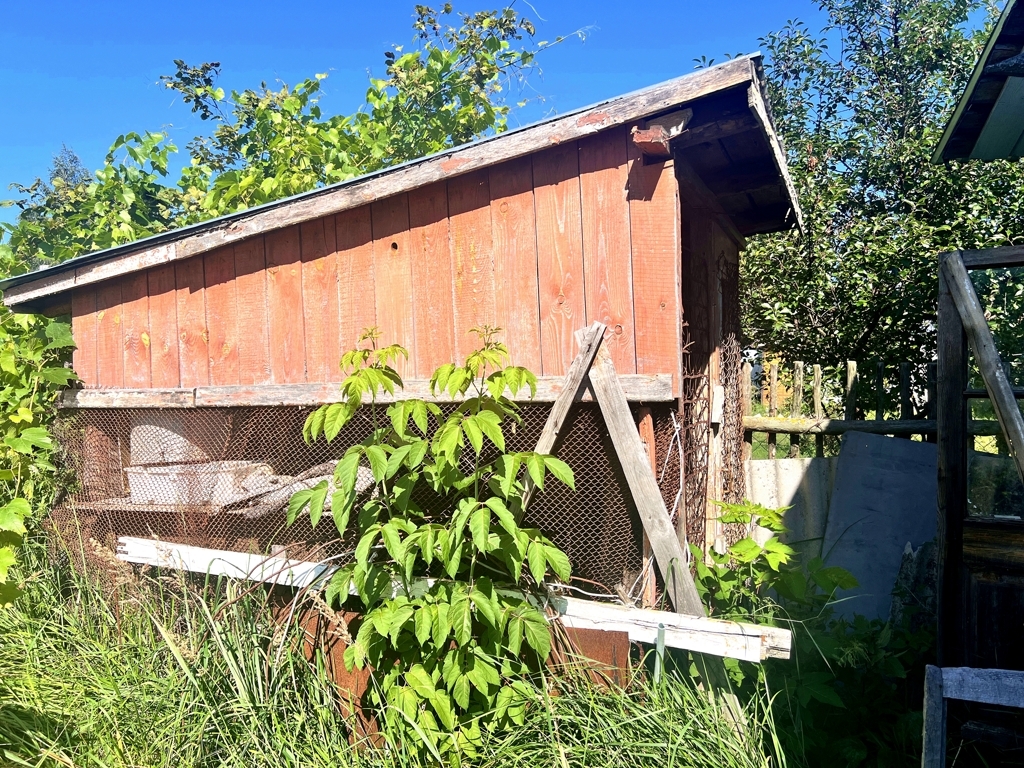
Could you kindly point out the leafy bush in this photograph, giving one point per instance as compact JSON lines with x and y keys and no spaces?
{"x":851,"y":693}
{"x":443,"y":564}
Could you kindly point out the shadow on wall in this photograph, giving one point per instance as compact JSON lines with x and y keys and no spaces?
{"x":863,"y":510}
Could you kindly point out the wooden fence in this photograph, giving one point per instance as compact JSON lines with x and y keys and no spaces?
{"x":899,"y":413}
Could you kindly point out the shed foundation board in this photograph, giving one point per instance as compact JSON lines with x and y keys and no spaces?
{"x":884,"y":498}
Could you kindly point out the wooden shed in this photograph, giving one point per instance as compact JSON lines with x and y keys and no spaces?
{"x":632,"y":212}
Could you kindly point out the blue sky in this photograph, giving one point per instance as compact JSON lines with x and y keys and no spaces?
{"x":80,"y":73}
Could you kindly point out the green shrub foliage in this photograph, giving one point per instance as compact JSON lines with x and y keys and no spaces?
{"x":443,"y":566}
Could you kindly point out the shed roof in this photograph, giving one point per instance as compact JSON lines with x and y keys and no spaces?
{"x":729,"y":141}
{"x":988,"y":123}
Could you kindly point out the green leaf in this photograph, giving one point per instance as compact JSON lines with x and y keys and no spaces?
{"x":471,"y":426}
{"x":378,"y":462}
{"x":535,"y":466}
{"x":417,"y":678}
{"x":424,"y":624}
{"x":7,"y":559}
{"x":480,"y":527}
{"x":537,"y":633}
{"x":442,"y":626}
{"x":537,"y":561}
{"x":461,"y":616}
{"x":559,"y":562}
{"x":515,"y":634}
{"x":560,"y":470}
{"x":505,"y":518}
{"x":13,"y":514}
{"x":336,"y":417}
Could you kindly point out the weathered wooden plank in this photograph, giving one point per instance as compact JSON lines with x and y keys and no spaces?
{"x":222,"y":315}
{"x":656,"y":245}
{"x":135,"y":329}
{"x":284,"y":306}
{"x":992,"y":258}
{"x":514,"y":231}
{"x":755,"y":100}
{"x":638,"y":388}
{"x":819,"y":411}
{"x":573,"y":387}
{"x":469,"y":212}
{"x":393,"y":277}
{"x":1002,"y":687}
{"x":193,"y":336}
{"x":698,"y":634}
{"x":320,"y":298}
{"x":356,"y":301}
{"x":253,"y":322}
{"x":163,"y":327}
{"x":802,"y":426}
{"x":643,"y":486}
{"x":851,"y":390}
{"x":404,"y":178}
{"x":773,"y":404}
{"x":979,"y":336}
{"x":109,"y":344}
{"x":796,"y":406}
{"x":559,"y":254}
{"x":933,"y":749}
{"x":155,"y":397}
{"x":607,"y":259}
{"x":645,"y":426}
{"x":83,"y":330}
{"x":433,"y":311}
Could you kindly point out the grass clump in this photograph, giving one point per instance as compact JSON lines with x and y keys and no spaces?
{"x":181,"y":673}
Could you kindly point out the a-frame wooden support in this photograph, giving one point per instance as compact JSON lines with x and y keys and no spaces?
{"x":594,"y":365}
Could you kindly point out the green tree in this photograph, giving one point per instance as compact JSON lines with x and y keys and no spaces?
{"x":861,"y":108}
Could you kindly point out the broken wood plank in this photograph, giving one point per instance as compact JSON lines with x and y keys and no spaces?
{"x":643,"y":486}
{"x":979,"y":336}
{"x":729,"y":639}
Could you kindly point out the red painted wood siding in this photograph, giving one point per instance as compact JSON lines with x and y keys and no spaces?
{"x":539,"y":246}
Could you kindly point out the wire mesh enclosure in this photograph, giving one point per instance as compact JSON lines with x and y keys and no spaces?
{"x":221,"y":478}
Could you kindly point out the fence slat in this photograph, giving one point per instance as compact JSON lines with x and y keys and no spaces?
{"x":773,"y":405}
{"x":851,"y":390}
{"x":797,"y":406}
{"x":819,"y":412}
{"x":880,"y":391}
{"x":747,"y":406}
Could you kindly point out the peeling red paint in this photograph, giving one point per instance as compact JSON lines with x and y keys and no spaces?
{"x":453,"y":164}
{"x":594,"y":118}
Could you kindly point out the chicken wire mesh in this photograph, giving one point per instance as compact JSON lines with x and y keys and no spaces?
{"x":221,"y":478}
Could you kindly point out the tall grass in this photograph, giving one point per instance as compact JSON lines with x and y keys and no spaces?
{"x":186,"y":674}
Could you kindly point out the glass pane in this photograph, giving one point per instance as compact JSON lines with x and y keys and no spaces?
{"x":994,"y":489}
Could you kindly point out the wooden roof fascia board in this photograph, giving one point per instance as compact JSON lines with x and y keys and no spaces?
{"x":939,"y":155}
{"x":759,"y":107}
{"x":1002,"y":131}
{"x":200,"y":238}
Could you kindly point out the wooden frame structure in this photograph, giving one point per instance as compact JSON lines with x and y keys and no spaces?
{"x":981,"y":565}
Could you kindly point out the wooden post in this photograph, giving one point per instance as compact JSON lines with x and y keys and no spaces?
{"x":649,"y":594}
{"x":933,"y":730}
{"x":979,"y":336}
{"x":643,"y":486}
{"x":746,"y":397}
{"x":951,"y":428}
{"x":932,"y":395}
{"x":773,"y":405}
{"x":575,"y":382}
{"x":796,"y":407}
{"x":851,"y":390}
{"x":819,"y":412}
{"x":906,"y":406}
{"x":880,"y":391}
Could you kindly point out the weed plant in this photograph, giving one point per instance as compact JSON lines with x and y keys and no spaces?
{"x":178,"y":671}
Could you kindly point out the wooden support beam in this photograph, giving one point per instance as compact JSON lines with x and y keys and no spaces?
{"x":573,"y":387}
{"x":647,"y":388}
{"x":643,"y":486}
{"x":900,"y":427}
{"x":732,"y":639}
{"x":933,"y":731}
{"x":979,"y":336}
